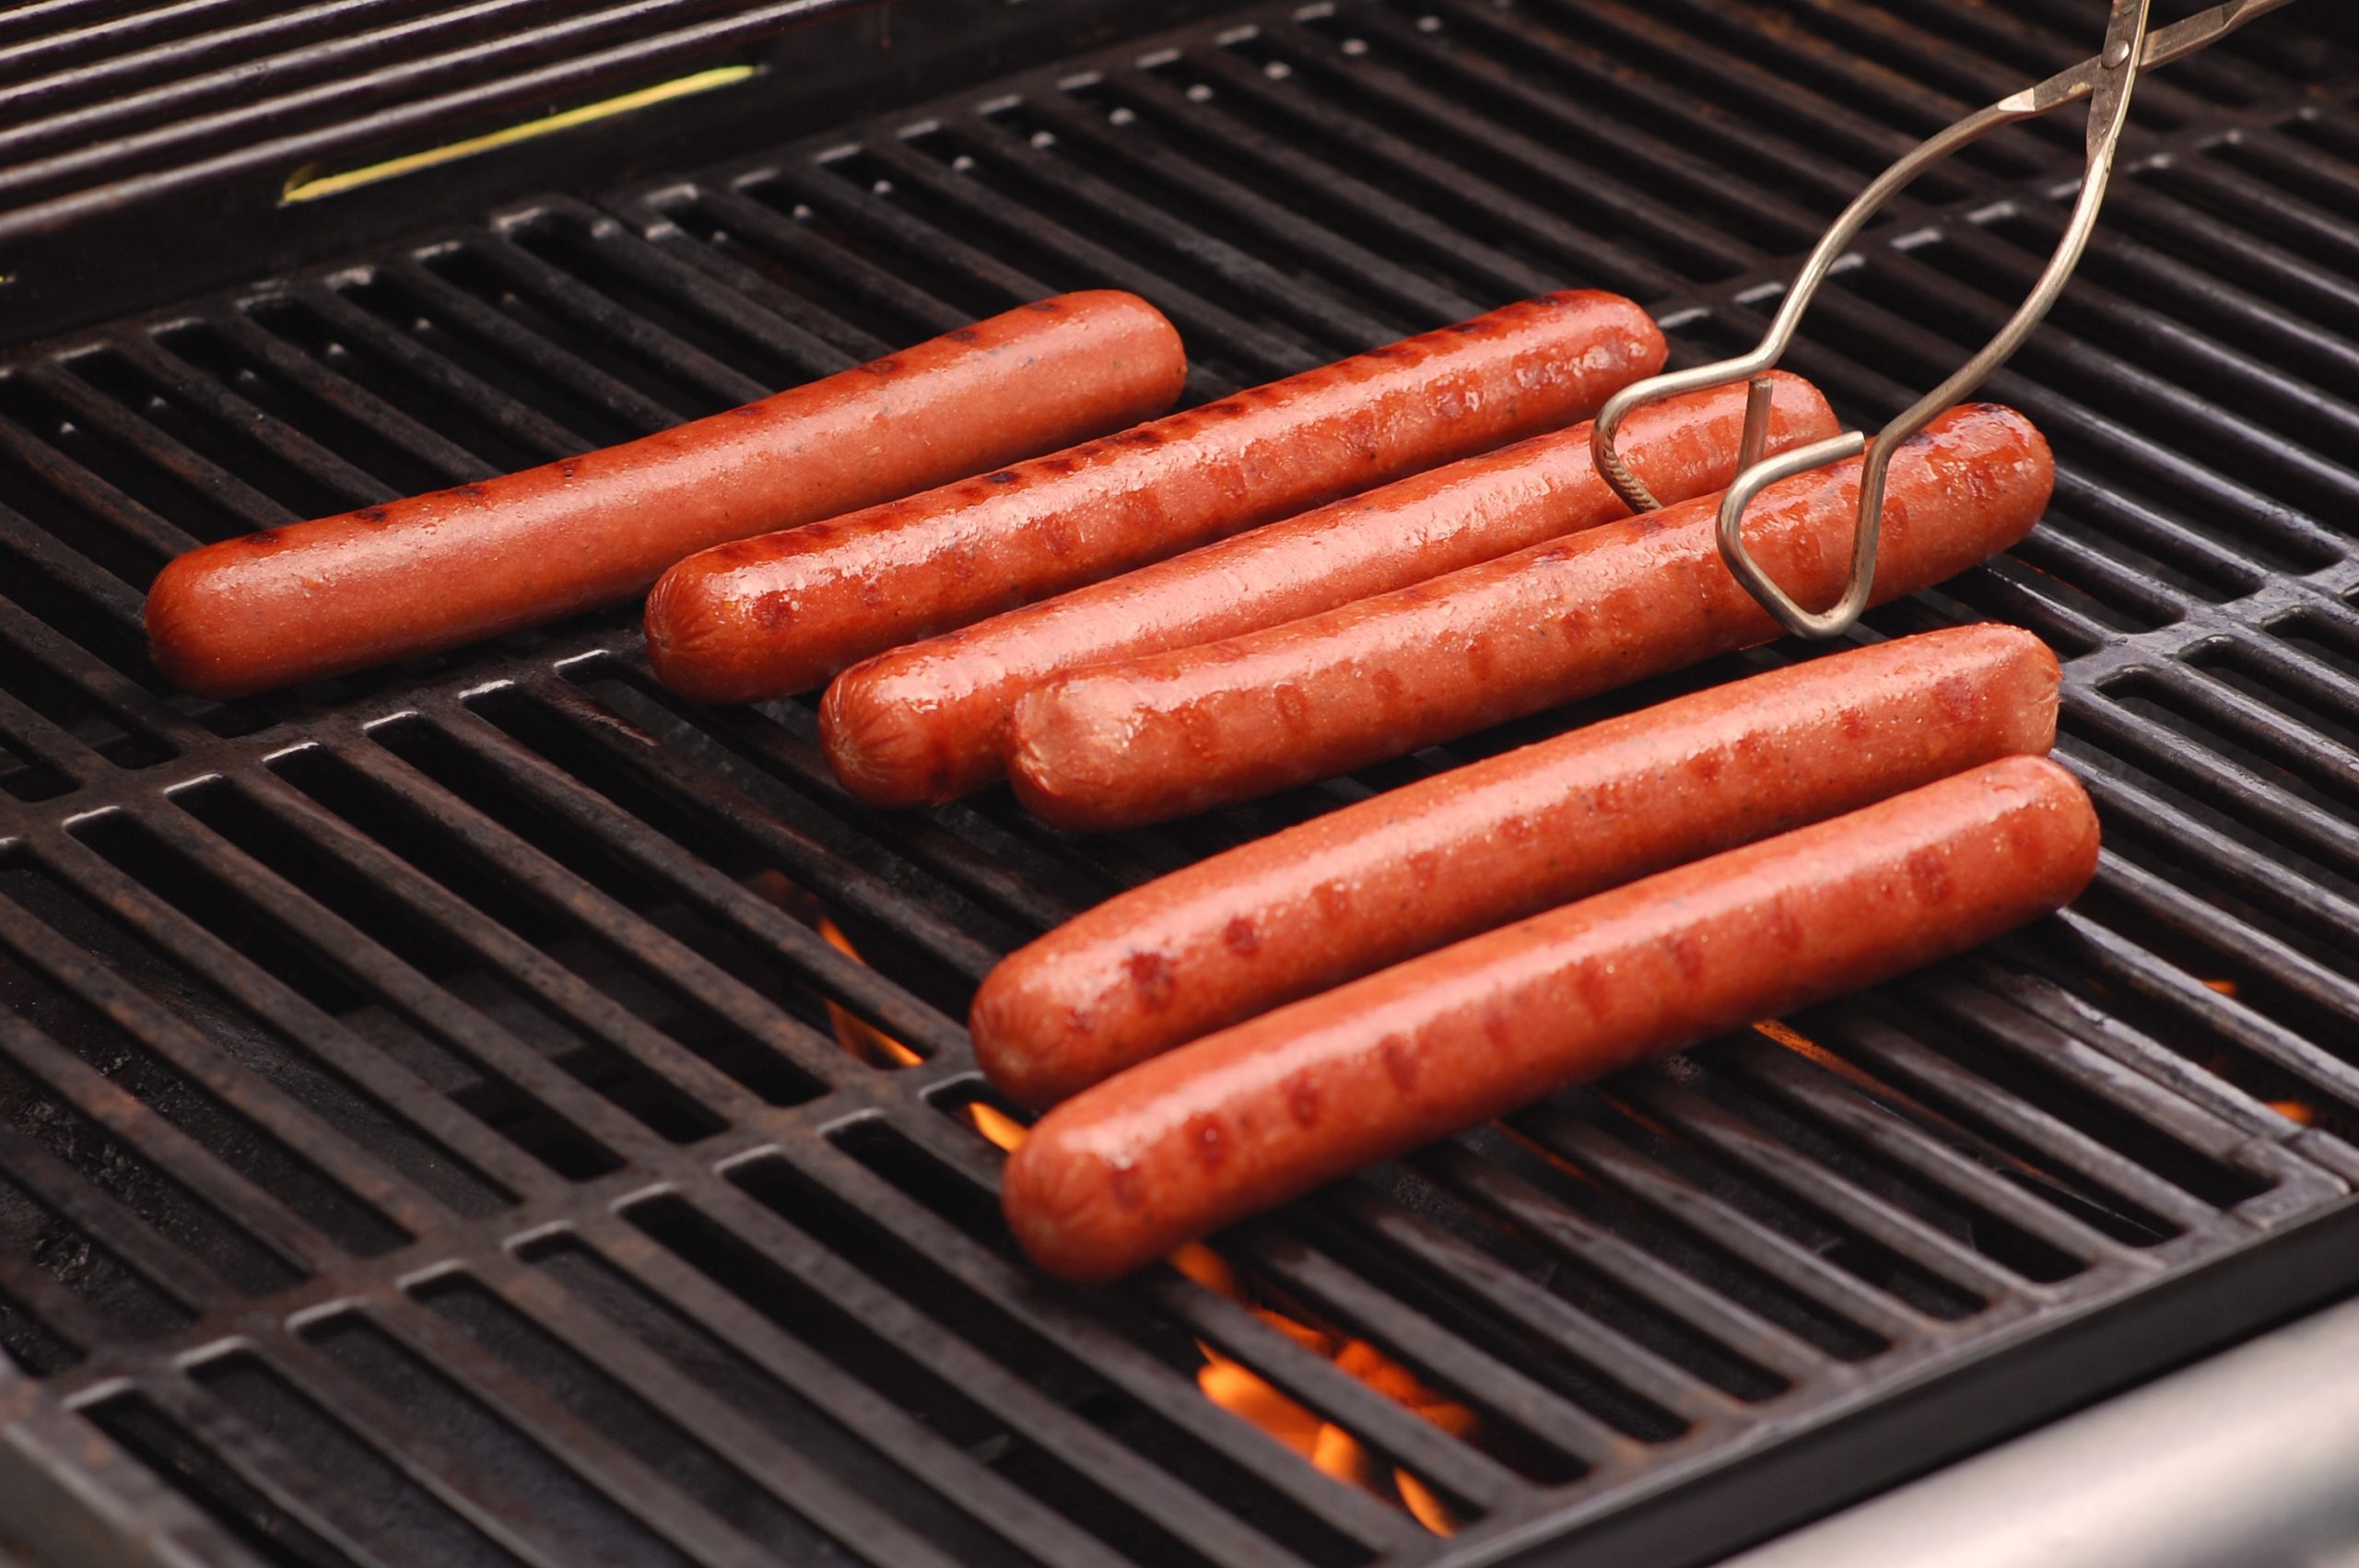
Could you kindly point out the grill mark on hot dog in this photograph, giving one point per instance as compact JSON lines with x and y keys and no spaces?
{"x":436,"y":571}
{"x":1266,"y":452}
{"x":927,"y":722}
{"x":1490,"y":843}
{"x":1128,"y":1170}
{"x":1100,"y":748}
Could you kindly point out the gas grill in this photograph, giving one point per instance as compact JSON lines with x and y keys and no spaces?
{"x":488,"y":1111}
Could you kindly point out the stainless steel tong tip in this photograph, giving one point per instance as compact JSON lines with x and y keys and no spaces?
{"x":2108,"y":78}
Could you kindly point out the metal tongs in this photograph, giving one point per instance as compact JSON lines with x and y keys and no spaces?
{"x":2107,"y":79}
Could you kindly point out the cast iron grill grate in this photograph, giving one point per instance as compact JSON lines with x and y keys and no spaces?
{"x":428,"y":1129}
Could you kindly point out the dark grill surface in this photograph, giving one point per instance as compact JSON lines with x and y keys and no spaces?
{"x":424,"y":1133}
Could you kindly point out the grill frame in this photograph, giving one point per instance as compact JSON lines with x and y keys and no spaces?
{"x":2063,"y":1343}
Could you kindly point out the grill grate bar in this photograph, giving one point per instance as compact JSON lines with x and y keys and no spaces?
{"x":417,"y":1449}
{"x":2256,"y":951}
{"x":819,"y":866}
{"x":330,"y":937}
{"x":547,"y":983}
{"x":541,"y":436}
{"x":776,"y":1468}
{"x":1332,"y":326}
{"x":596,"y":1460}
{"x":620,"y":936}
{"x":1487,"y":271}
{"x":838,"y":265}
{"x":2263,"y":805}
{"x":1463,"y":1369}
{"x":807,"y":343}
{"x":634,"y":413}
{"x":1410,"y":295}
{"x":781,"y":769}
{"x":252,"y":510}
{"x":1722,"y":1321}
{"x":1842,"y":1198}
{"x":573,"y":301}
{"x":86,"y":493}
{"x":199,"y":1059}
{"x":847,"y":980}
{"x":449,"y":462}
{"x":1635,"y":1369}
{"x":1638,"y":95}
{"x":2025,"y":1124}
{"x":1301,"y":1375}
{"x":1612,"y":262}
{"x":1610,"y":159}
{"x":974,"y":1488}
{"x":241,"y":420}
{"x":1264,"y":352}
{"x":1149,"y":1492}
{"x":1835,"y":113}
{"x":292,"y":1489}
{"x":2230,"y":864}
{"x":105,"y":1219}
{"x":1818,"y":1094}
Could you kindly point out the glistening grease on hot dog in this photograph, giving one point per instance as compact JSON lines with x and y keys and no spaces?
{"x":1140,"y":740}
{"x":436,"y":571}
{"x":766,"y":618}
{"x":1243,"y":1120}
{"x":928,"y":722}
{"x":1386,"y":878}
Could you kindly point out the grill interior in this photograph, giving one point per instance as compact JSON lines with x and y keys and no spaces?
{"x":427,"y":1126}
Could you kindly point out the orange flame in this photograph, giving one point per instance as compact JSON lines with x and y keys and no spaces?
{"x":1230,"y":1384}
{"x":995,"y":1124}
{"x":1244,"y":1393}
{"x":857,"y":1035}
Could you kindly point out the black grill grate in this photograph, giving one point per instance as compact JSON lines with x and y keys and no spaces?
{"x":424,"y":1129}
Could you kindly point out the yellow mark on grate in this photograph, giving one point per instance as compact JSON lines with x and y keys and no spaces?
{"x":305,"y":187}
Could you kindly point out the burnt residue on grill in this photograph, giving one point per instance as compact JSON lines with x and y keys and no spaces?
{"x":490,"y":1111}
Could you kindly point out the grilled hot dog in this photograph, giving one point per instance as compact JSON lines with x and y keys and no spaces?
{"x":1468,"y":850}
{"x":783,"y":614}
{"x":436,"y":571}
{"x":926,"y":723}
{"x":1143,"y":739}
{"x":1249,"y":1118}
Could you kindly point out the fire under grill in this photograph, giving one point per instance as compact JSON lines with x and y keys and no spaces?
{"x":490,"y":1112}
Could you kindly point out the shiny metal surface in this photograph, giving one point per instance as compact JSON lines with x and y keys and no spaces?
{"x":2246,"y":1460}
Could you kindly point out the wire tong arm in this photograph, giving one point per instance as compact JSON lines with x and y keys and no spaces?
{"x":2108,"y":79}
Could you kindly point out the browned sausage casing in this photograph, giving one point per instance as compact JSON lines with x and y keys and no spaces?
{"x":926,"y":723}
{"x":440,"y":570}
{"x":1139,"y":739}
{"x":1253,"y":1116}
{"x":1386,"y":878}
{"x":768,"y":617}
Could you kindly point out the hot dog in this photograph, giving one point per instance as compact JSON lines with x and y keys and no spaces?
{"x":1143,"y":739}
{"x":926,"y":723}
{"x":783,"y":614}
{"x":1386,"y":878}
{"x":440,"y":570}
{"x":1249,"y":1118}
